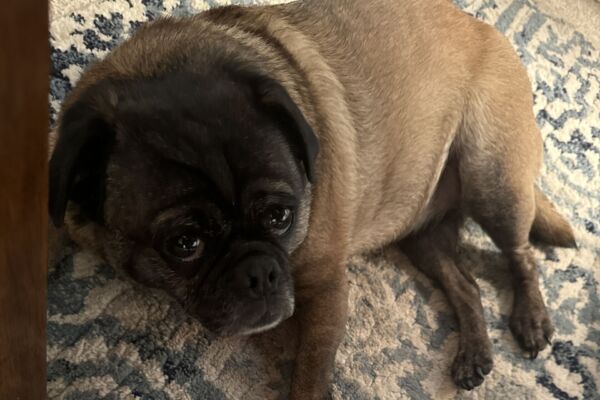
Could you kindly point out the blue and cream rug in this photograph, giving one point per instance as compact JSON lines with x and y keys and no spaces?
{"x":108,"y":338}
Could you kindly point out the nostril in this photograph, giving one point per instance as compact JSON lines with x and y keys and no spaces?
{"x":271,"y":277}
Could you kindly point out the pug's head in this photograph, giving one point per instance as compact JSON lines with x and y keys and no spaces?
{"x":206,"y":181}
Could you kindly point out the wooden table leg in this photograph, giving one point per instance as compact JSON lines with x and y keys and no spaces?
{"x":24,"y":61}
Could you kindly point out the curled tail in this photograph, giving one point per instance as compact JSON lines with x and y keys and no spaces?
{"x":549,"y":226}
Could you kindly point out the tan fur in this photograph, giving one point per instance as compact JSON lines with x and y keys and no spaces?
{"x":549,"y":226}
{"x":417,"y":107}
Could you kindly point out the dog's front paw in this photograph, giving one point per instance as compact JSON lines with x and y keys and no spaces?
{"x":531,"y":326}
{"x":472,"y":363}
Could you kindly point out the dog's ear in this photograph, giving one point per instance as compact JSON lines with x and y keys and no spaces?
{"x":78,"y":163}
{"x":277,"y":100}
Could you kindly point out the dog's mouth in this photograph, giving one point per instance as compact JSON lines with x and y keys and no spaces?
{"x":268,"y":320}
{"x":246,"y":318}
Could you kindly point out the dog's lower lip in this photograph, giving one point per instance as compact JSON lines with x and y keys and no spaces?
{"x":273,"y":312}
{"x":267,"y":321}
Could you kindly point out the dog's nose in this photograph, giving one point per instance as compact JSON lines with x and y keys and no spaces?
{"x":257,"y":275}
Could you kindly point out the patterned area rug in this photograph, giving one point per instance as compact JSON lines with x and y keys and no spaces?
{"x":109,"y":338}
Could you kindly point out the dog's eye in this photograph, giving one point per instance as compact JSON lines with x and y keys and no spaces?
{"x":277,"y":219}
{"x":186,"y":247}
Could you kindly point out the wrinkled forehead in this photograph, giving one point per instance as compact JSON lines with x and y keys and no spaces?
{"x":142,"y":182}
{"x":208,"y":142}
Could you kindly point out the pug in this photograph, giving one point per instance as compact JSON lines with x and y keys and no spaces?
{"x":237,"y":158}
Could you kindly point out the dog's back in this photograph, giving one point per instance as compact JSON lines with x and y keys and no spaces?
{"x":407,"y":69}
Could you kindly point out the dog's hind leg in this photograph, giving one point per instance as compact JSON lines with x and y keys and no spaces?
{"x":433,"y":251}
{"x":505,"y":211}
{"x":499,"y":152}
